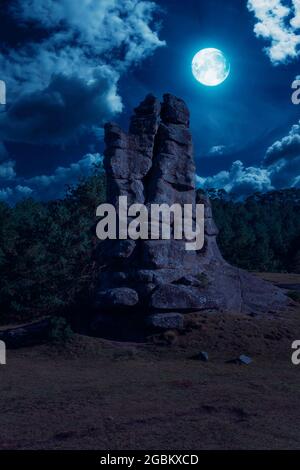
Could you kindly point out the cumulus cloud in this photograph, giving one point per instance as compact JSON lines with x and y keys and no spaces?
{"x":51,"y":186}
{"x":15,"y":194}
{"x":278,"y":22}
{"x":285,"y":173}
{"x":65,"y":108}
{"x":238,"y":180}
{"x":7,"y":170}
{"x":98,"y":27}
{"x":54,"y":186}
{"x":286,"y":148}
{"x":279,"y":169}
{"x":68,"y":80}
{"x":217,"y":150}
{"x":283,"y":159}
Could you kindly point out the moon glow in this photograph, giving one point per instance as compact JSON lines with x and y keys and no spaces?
{"x":210,"y":67}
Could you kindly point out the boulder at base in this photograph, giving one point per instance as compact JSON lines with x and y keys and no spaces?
{"x":154,"y":164}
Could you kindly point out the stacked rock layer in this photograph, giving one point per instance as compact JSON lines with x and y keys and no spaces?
{"x":153,"y":164}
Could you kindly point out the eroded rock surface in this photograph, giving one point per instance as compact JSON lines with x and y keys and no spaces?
{"x":154,"y":163}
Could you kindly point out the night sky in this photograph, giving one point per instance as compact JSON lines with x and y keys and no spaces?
{"x":69,"y":66}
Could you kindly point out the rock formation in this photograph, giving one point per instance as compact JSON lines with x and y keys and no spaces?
{"x":159,"y":280}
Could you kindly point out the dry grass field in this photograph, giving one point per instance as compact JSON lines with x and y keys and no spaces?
{"x":97,"y":394}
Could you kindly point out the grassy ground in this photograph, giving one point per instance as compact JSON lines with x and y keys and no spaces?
{"x":95,"y":394}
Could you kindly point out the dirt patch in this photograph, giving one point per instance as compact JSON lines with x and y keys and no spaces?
{"x":97,"y":394}
{"x":233,"y":334}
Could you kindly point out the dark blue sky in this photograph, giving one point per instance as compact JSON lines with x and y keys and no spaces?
{"x":236,"y":121}
{"x":248,"y":111}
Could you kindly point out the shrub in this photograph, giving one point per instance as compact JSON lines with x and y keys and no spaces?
{"x":47,"y":252}
{"x":60,"y":331}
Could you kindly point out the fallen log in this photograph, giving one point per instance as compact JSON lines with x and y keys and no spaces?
{"x":27,"y":335}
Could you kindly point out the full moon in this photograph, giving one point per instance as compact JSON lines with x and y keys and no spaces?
{"x":210,"y":67}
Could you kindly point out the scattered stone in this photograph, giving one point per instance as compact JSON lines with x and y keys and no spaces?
{"x":170,"y":336}
{"x":203,"y":356}
{"x":118,"y":297}
{"x":243,"y":359}
{"x":174,"y":296}
{"x":166,"y":321}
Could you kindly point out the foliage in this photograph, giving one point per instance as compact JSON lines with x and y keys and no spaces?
{"x":60,"y":331}
{"x":261,"y":233}
{"x":47,"y":260}
{"x":294,"y":295}
{"x":46,"y":251}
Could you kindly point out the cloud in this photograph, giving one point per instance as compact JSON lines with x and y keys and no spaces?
{"x":7,"y":171}
{"x":53,"y":186}
{"x":98,"y":27}
{"x":238,"y":180}
{"x":217,"y":150}
{"x":283,"y":159}
{"x":277,"y":22}
{"x":297,"y":182}
{"x":67,"y":81}
{"x":285,"y":173}
{"x":286,"y":148}
{"x":14,"y":195}
{"x":279,"y":169}
{"x":65,"y":108}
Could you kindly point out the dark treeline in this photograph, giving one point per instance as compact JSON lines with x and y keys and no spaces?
{"x":46,"y":252}
{"x":261,"y":233}
{"x":47,"y":249}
